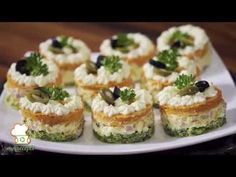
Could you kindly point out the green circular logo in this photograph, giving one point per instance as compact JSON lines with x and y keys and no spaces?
{"x":22,"y":139}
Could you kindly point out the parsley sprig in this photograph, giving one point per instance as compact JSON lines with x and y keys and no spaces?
{"x":55,"y":93}
{"x":184,"y":81}
{"x":35,"y":65}
{"x":169,"y":58}
{"x":127,"y":95}
{"x":112,"y":63}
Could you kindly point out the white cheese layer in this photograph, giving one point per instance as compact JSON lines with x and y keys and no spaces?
{"x":200,"y":120}
{"x":140,"y":126}
{"x":145,"y":47}
{"x":71,"y":128}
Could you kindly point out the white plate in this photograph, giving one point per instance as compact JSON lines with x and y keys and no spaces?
{"x":88,"y":144}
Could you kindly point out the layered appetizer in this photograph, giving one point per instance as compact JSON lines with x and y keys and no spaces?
{"x":191,"y":107}
{"x":26,"y":74}
{"x":164,"y":68}
{"x":107,"y":71}
{"x":51,"y":113}
{"x":68,"y":53}
{"x":122,"y":115}
{"x":135,"y":48}
{"x":191,"y":41}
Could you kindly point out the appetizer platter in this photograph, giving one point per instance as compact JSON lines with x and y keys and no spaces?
{"x":134,"y":96}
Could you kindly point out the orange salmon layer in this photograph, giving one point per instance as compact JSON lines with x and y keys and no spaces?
{"x":120,"y":119}
{"x":196,"y":108}
{"x":141,"y":60}
{"x":53,"y":119}
{"x":126,"y":82}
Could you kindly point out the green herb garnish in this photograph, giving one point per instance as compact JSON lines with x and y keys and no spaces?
{"x":55,"y":93}
{"x":183,"y":39}
{"x":184,"y":81}
{"x":124,"y":41}
{"x":169,"y":58}
{"x":111,"y":63}
{"x":127,"y":95}
{"x":35,"y":65}
{"x":63,"y":42}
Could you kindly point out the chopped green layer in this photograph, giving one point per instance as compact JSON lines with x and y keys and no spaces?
{"x":126,"y":138}
{"x":194,"y":130}
{"x":12,"y":101}
{"x":52,"y":136}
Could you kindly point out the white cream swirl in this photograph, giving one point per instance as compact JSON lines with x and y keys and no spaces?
{"x":142,"y":99}
{"x":145,"y":47}
{"x":53,"y":107}
{"x":103,"y":76}
{"x":199,"y":35}
{"x":187,"y":67}
{"x":68,"y":56}
{"x":40,"y":80}
{"x":169,"y":96}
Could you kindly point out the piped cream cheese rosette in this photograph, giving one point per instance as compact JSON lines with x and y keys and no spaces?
{"x":51,"y":113}
{"x":122,"y":115}
{"x":107,"y":71}
{"x":134,"y":48}
{"x":26,"y":74}
{"x":164,"y":68}
{"x":191,"y":107}
{"x":191,"y":41}
{"x":68,"y":53}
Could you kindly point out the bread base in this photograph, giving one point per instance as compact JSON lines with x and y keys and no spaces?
{"x":192,"y":124}
{"x":58,"y":137}
{"x":125,"y":139}
{"x":134,"y":129}
{"x":195,"y":130}
{"x":48,"y":132}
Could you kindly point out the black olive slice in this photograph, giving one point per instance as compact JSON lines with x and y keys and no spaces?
{"x":157,"y":64}
{"x":21,"y":67}
{"x":202,"y":85}
{"x":116,"y":92}
{"x":99,"y":61}
{"x":56,"y":43}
